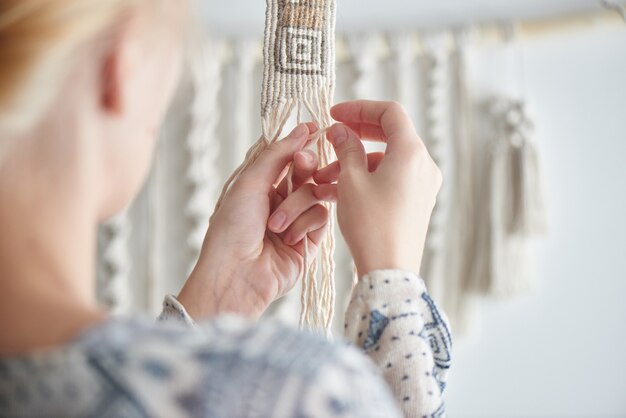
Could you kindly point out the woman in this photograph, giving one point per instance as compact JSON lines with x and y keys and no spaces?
{"x":83,"y":87}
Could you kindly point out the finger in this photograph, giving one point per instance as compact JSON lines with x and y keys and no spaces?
{"x":367,"y":132}
{"x":281,"y":182}
{"x":291,"y":208}
{"x":305,"y":164}
{"x":326,"y":192}
{"x":330,"y":173}
{"x":311,"y":220}
{"x":281,"y":176}
{"x":312,"y":127}
{"x":315,"y":239}
{"x":348,"y":147}
{"x":275,"y":200}
{"x":397,"y":128}
{"x":262,"y":174}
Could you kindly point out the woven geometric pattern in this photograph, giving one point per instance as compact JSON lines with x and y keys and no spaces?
{"x":299,"y":50}
{"x":301,"y":37}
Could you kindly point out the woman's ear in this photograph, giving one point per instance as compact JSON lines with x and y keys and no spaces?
{"x":111,"y":82}
{"x":120,"y":63}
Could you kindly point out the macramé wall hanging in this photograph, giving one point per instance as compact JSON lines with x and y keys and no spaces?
{"x":488,"y":212}
{"x":299,"y":78}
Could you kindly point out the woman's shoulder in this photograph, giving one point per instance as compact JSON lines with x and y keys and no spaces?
{"x":226,"y":367}
{"x":228,"y":343}
{"x":275,"y":344}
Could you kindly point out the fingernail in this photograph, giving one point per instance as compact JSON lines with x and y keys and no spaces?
{"x":338,"y":134}
{"x":299,"y":131}
{"x":277,"y":221}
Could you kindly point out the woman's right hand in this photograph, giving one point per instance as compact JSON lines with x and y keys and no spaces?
{"x":384,"y":201}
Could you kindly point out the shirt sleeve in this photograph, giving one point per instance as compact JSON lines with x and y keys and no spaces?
{"x":174,"y":311}
{"x":394,"y":320}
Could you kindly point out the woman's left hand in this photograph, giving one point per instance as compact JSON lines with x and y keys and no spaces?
{"x":249,"y":258}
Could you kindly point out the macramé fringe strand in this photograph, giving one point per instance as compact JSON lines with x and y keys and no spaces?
{"x":318,"y":290}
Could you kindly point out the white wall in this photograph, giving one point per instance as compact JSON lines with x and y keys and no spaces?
{"x":561,"y":352}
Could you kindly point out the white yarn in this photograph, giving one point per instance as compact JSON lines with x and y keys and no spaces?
{"x":515,"y":211}
{"x":245,"y":52}
{"x":437,"y":138}
{"x":363,"y":49}
{"x":114,"y":264}
{"x":202,"y":145}
{"x":459,"y":200}
{"x":154,"y":278}
{"x":403,"y":50}
{"x":508,"y":272}
{"x":299,"y":74}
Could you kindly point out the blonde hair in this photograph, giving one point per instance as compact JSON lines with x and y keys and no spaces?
{"x":38,"y":39}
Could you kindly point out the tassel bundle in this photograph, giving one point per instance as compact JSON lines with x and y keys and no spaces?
{"x":515,"y":202}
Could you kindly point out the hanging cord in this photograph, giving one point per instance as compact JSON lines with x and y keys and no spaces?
{"x":437,"y":138}
{"x":206,"y":76}
{"x":315,"y":298}
{"x":115,"y":263}
{"x":526,"y":215}
{"x":621,"y":10}
{"x":293,"y":80}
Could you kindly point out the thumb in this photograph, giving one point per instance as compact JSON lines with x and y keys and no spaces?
{"x":271,"y":162}
{"x":348,"y":147}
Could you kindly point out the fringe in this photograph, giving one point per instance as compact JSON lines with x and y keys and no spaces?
{"x":318,"y":290}
{"x":516,"y":209}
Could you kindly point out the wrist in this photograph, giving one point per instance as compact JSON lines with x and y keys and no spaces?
{"x":212,"y":290}
{"x":365,"y":265}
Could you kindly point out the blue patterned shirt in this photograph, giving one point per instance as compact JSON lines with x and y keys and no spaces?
{"x":231,"y":368}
